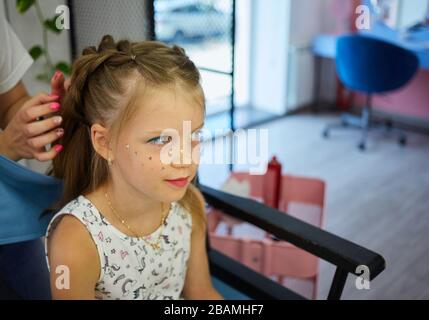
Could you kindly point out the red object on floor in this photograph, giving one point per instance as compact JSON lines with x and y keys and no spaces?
{"x":272,"y":183}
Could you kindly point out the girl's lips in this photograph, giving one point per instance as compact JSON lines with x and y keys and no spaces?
{"x":179,"y":182}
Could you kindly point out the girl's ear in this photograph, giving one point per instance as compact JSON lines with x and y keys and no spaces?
{"x":100,"y":138}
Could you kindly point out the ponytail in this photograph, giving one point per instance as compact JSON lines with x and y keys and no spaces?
{"x":77,"y":164}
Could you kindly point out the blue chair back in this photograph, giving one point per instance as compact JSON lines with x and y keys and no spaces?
{"x":373,"y":66}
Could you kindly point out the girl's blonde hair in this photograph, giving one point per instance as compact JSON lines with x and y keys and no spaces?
{"x":103,"y":86}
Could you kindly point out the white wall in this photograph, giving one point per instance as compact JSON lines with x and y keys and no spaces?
{"x":308,"y":19}
{"x":270,"y":29}
{"x":282,"y":65}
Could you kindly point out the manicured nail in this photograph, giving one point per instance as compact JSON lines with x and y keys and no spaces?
{"x":58,"y":120}
{"x":59,"y":132}
{"x":54,"y":96}
{"x":55,"y":106}
{"x":57,"y":75}
{"x":58,"y":148}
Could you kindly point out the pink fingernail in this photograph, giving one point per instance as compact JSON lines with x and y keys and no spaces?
{"x":58,"y":148}
{"x":57,"y":75}
{"x":55,"y":106}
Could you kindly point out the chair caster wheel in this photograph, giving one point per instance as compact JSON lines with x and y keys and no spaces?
{"x":362,"y":146}
{"x":325,"y":134}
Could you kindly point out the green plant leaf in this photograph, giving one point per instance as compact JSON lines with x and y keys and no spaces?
{"x":43,"y":77}
{"x":51,"y":26}
{"x":36,"y":52}
{"x":23,"y":5}
{"x":64,"y":67}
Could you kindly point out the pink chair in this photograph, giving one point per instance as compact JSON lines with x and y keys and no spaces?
{"x":303,"y":198}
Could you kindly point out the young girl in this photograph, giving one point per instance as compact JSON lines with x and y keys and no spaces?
{"x":131,"y":225}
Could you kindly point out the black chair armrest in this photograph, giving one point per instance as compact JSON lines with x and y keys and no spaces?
{"x":344,"y":254}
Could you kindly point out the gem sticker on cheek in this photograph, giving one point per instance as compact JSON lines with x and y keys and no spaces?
{"x":136,"y":153}
{"x":128,"y":147}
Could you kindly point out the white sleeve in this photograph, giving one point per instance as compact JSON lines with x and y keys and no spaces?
{"x":14,"y":58}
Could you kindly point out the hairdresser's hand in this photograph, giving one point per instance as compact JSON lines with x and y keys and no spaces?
{"x":25,"y":137}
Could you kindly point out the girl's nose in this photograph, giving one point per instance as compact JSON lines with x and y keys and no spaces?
{"x":184,"y":159}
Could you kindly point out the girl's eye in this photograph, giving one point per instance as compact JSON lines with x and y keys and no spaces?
{"x":160,"y":140}
{"x":198,"y":136}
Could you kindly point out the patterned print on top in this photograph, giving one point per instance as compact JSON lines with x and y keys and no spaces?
{"x":130,"y":268}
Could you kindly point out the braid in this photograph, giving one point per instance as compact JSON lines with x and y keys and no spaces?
{"x":124,"y":46}
{"x":107,"y":54}
{"x":106,"y":43}
{"x":179,"y":50}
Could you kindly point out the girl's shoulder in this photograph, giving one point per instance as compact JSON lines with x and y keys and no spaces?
{"x":70,"y":251}
{"x":68,"y":242}
{"x":68,"y":233}
{"x":82,"y":209}
{"x":72,"y":222}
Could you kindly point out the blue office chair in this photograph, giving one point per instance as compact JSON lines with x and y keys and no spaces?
{"x":371,"y":66}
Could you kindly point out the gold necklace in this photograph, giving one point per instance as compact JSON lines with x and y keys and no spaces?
{"x":155,"y":245}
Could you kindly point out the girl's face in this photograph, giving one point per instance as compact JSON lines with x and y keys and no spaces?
{"x":155,"y":130}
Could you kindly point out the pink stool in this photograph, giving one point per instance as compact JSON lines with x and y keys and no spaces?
{"x":303,"y":198}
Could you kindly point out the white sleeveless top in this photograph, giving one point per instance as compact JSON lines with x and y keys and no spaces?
{"x":130,"y":268}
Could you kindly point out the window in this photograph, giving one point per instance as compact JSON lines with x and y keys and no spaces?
{"x":203,"y":28}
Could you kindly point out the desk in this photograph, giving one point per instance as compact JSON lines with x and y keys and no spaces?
{"x":324,"y":46}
